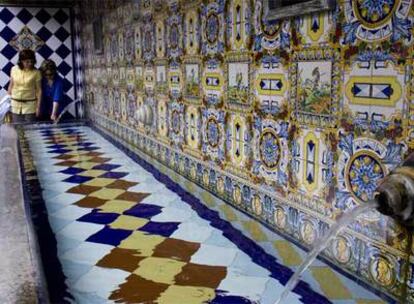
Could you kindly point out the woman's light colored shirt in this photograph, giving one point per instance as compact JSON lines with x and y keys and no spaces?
{"x":25,"y":83}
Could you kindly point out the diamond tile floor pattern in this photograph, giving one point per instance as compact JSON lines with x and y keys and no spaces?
{"x":124,"y":236}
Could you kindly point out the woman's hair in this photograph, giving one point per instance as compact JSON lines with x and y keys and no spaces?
{"x":25,"y":55}
{"x":48,"y":65}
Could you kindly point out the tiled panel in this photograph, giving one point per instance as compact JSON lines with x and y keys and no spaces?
{"x":50,"y":33}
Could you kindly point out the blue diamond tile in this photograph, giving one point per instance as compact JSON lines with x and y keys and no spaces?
{"x":63,"y":51}
{"x":99,"y":217}
{"x":62,"y":34}
{"x":7,"y":68}
{"x":64,"y":68}
{"x":25,"y":16}
{"x":61,"y":16}
{"x":67,"y":85}
{"x":43,"y":16}
{"x":72,"y":171}
{"x":115,"y":175}
{"x":45,"y":51}
{"x":88,"y":148}
{"x":5,"y":15}
{"x":59,"y":151}
{"x":9,"y":52}
{"x":78,"y":179}
{"x":106,"y":167}
{"x":109,"y":236}
{"x":144,"y":210}
{"x":164,"y":229}
{"x":56,"y":146}
{"x":7,"y":34}
{"x":44,"y":33}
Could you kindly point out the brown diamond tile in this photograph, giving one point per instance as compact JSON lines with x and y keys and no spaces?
{"x":125,"y":259}
{"x":201,"y":275}
{"x":99,"y":160}
{"x":82,"y":189}
{"x":138,"y":290}
{"x":63,"y":157}
{"x":176,"y":249}
{"x":94,"y":153}
{"x":133,"y":196}
{"x":90,"y":202}
{"x":67,"y":163}
{"x":121,"y":184}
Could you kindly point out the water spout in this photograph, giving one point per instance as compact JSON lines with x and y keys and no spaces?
{"x":321,"y":244}
{"x":395,"y":194}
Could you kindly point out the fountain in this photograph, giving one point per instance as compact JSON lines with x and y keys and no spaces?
{"x":394,"y":197}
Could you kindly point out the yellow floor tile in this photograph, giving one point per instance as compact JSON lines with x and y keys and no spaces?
{"x":288,"y":254}
{"x":255,"y":230}
{"x":186,"y":294}
{"x":229,"y":213}
{"x":109,"y":194}
{"x":365,"y":301}
{"x":208,"y":199}
{"x":117,"y":206}
{"x":159,"y":270}
{"x":143,"y":243}
{"x":330,"y":283}
{"x":128,"y":222}
{"x":93,"y":173}
{"x":81,"y":158}
{"x":86,"y":165}
{"x":100,"y":182}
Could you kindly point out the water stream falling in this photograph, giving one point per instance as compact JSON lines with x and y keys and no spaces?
{"x":322,"y":243}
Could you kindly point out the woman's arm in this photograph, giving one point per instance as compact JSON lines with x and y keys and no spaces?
{"x":38,"y":97}
{"x":57,"y":97}
{"x":9,"y":91}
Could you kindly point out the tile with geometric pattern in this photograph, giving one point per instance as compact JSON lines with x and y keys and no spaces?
{"x":127,"y":237}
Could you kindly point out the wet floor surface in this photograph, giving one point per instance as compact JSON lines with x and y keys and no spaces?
{"x":127,"y":233}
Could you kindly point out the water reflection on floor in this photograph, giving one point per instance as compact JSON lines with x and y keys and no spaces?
{"x":127,"y":233}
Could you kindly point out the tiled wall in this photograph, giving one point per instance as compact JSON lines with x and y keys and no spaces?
{"x":294,"y":121}
{"x":45,"y":30}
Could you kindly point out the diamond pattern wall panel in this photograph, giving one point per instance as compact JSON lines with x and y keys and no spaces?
{"x":45,"y":30}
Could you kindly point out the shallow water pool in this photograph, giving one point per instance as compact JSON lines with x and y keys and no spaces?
{"x":118,"y":230}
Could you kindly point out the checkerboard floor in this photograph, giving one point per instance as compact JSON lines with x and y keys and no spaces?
{"x":123,"y":236}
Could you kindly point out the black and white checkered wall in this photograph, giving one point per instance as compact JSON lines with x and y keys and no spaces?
{"x":50,"y":28}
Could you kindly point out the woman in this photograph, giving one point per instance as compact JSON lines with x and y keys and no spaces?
{"x":52,"y":88}
{"x":25,"y":88}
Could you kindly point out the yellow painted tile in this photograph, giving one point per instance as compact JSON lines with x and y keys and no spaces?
{"x":143,"y":243}
{"x":77,"y":152}
{"x":330,"y":283}
{"x":81,"y":158}
{"x":288,"y":254}
{"x":366,"y":301}
{"x":117,"y":206}
{"x":159,"y":270}
{"x":189,"y":186}
{"x":255,"y":230}
{"x":208,"y":199}
{"x":93,"y":173}
{"x":128,"y":222}
{"x":86,"y":165}
{"x":186,"y":294}
{"x":108,"y":194}
{"x":229,"y":213}
{"x":100,"y":182}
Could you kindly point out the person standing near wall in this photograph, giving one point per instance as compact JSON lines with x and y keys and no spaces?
{"x":52,"y":91}
{"x":25,"y":88}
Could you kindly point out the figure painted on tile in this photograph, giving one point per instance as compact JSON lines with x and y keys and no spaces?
{"x":257,"y":205}
{"x":280,"y":218}
{"x":308,"y":232}
{"x":341,"y":250}
{"x":314,"y":88}
{"x":237,"y":195}
{"x":238,"y":87}
{"x":381,"y":271}
{"x":192,"y":80}
{"x":220,"y":185}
